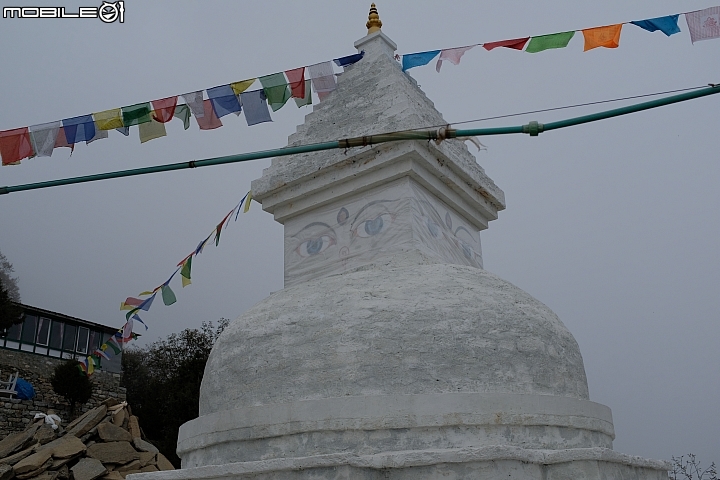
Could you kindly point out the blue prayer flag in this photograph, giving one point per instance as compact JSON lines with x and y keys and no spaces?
{"x":668,"y":25}
{"x":349,"y":60}
{"x":418,"y":59}
{"x":224,"y":100}
{"x":256,"y":108}
{"x":79,"y":129}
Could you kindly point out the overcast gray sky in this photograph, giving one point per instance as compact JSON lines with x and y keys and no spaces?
{"x":613,"y":225}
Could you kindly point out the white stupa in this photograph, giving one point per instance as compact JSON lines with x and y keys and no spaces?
{"x":391,"y":353}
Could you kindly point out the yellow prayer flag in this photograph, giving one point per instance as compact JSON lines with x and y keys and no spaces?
{"x":109,"y":119}
{"x":125,"y":306}
{"x":90,"y":366}
{"x":151,"y":130}
{"x":239,"y":87}
{"x":185,"y":281}
{"x":608,"y":37}
{"x":146,"y":292}
{"x":247,"y":202}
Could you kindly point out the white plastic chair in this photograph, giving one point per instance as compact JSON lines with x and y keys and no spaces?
{"x":9,"y":386}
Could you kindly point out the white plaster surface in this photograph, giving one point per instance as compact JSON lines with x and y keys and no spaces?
{"x":394,"y":218}
{"x":384,"y":330}
{"x":484,"y":463}
{"x":373,"y":96}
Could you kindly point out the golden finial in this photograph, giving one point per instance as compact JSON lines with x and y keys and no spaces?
{"x":373,"y":24}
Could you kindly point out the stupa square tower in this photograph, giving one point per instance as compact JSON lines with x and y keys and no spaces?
{"x":391,"y":353}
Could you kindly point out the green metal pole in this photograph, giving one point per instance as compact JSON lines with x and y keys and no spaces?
{"x":532,"y":128}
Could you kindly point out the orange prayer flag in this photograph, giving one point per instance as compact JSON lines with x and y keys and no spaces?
{"x":608,"y":37}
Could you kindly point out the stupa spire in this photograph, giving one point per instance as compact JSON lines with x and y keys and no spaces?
{"x":373,"y":24}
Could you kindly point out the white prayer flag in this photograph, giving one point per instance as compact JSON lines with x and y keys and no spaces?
{"x":704,"y":24}
{"x":452,"y":55}
{"x":43,"y":138}
{"x":323,"y":78}
{"x":194,"y":100}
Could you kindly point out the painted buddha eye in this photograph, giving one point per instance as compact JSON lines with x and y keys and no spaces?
{"x":370,"y":228}
{"x":315,"y":246}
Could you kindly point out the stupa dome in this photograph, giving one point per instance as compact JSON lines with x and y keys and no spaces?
{"x":418,"y":329}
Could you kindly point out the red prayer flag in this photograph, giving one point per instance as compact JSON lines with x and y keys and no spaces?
{"x":15,"y":145}
{"x":516,"y":44}
{"x":61,"y":140}
{"x":164,"y":109}
{"x":210,"y":120}
{"x":296,"y":79}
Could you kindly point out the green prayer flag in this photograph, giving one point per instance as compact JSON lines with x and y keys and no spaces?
{"x":301,"y":102}
{"x":183,"y":113}
{"x":168,"y":295}
{"x":546,"y":42}
{"x":185,"y":272}
{"x":276,"y":90}
{"x":136,"y":114}
{"x":112,"y":344}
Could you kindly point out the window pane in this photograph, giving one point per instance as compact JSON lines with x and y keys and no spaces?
{"x":28,"y":334}
{"x":82,"y":340}
{"x":95,"y":340}
{"x":14,"y":332}
{"x":56,"y":334}
{"x":43,"y":331}
{"x":69,"y":340}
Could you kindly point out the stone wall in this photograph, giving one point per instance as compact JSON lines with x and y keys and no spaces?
{"x":37,"y":369}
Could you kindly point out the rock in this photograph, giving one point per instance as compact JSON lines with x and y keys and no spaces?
{"x":60,"y":462}
{"x":89,"y":420}
{"x":64,"y":447}
{"x":63,"y":473}
{"x":147,"y":458}
{"x":111,"y":433}
{"x":113,"y":476}
{"x":34,"y":473}
{"x":18,"y":441}
{"x":149,"y":468}
{"x":119,"y":418}
{"x":110,"y":402}
{"x":134,"y":465}
{"x":131,"y":472}
{"x":144,"y":446}
{"x":134,"y":427}
{"x":88,"y":469}
{"x":44,"y":434}
{"x":6,"y":472}
{"x":33,"y":462}
{"x":16,"y":457}
{"x":163,"y":463}
{"x":48,"y":475}
{"x":113,"y":452}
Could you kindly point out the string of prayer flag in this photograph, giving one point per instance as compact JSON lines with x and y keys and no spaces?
{"x":40,"y":140}
{"x":113,"y":346}
{"x":702,"y":24}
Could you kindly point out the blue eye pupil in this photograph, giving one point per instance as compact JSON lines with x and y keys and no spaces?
{"x":373,"y":227}
{"x":314,"y":246}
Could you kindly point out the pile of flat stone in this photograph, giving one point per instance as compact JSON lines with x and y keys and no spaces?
{"x":104,"y":443}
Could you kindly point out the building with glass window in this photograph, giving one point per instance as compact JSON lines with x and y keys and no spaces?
{"x":56,"y":335}
{"x":35,"y":347}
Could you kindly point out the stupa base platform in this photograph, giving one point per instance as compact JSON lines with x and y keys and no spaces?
{"x":491,"y":462}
